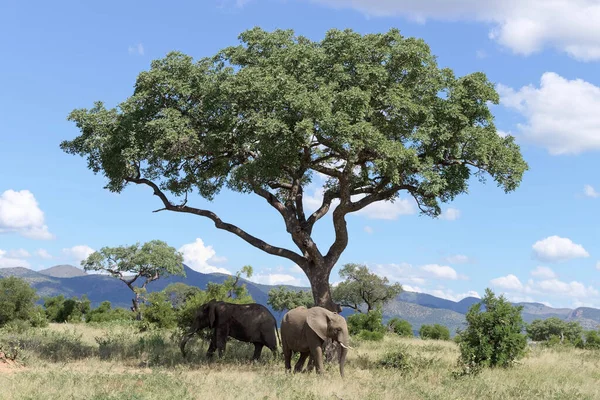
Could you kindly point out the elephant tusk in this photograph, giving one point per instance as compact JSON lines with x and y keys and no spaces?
{"x":346,"y":347}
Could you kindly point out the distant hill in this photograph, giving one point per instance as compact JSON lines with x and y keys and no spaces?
{"x":417,"y":308}
{"x":63,"y":271}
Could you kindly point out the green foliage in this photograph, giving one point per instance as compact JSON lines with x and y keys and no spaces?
{"x":105,"y":313}
{"x":59,"y":309}
{"x":178,"y":293}
{"x":142,"y":264}
{"x":435,"y":331}
{"x":400,"y":327}
{"x":493,"y":337}
{"x":544,"y":330}
{"x":231,"y":290}
{"x":281,"y":299}
{"x":362,"y":287}
{"x":159,"y":311}
{"x":405,"y":363}
{"x":17,"y":301}
{"x":590,"y":341}
{"x":374,"y":336}
{"x":371,"y":321}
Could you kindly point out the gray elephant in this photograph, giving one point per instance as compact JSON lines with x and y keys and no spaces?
{"x":251,"y":323}
{"x":304,"y":330}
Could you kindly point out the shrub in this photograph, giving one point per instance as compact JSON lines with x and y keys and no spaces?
{"x":371,"y":321}
{"x":493,"y":337}
{"x":400,"y":327}
{"x":435,"y":331}
{"x":104,"y":313}
{"x":592,"y":340}
{"x":159,"y":311}
{"x":59,"y":309}
{"x":17,"y":300}
{"x":400,"y":359}
{"x":370,"y":335}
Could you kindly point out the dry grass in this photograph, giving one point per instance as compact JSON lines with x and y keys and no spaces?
{"x":155,"y":370}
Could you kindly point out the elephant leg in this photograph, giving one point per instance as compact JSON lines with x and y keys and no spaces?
{"x":300,"y":364}
{"x":287,"y":355}
{"x":211,"y":349}
{"x":221,"y":340}
{"x":316,"y":353}
{"x":257,"y":350}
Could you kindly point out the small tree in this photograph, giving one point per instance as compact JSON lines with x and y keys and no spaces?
{"x":59,"y":309}
{"x":231,"y":290}
{"x":400,"y":327}
{"x":179,"y":293}
{"x":282,"y":299}
{"x":363,"y":288}
{"x":435,"y":332}
{"x":493,"y":337}
{"x":17,"y":301}
{"x":543,"y":330}
{"x":136,"y":263}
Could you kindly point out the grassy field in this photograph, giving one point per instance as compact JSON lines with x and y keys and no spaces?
{"x":117,"y":362}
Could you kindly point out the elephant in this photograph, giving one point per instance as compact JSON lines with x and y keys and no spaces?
{"x":251,"y":323}
{"x":305,"y":330}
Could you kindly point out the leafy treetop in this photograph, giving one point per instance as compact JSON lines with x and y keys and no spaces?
{"x":281,"y":299}
{"x":363,"y":288}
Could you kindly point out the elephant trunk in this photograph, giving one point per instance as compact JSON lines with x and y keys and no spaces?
{"x":343,"y":354}
{"x":183,"y":343}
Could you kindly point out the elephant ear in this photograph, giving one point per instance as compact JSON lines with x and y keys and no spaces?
{"x":317,"y":321}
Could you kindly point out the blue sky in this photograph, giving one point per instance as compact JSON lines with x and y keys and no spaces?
{"x":539,"y":243}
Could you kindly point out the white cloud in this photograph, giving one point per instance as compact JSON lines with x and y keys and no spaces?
{"x":295,"y":269}
{"x":20,"y":213}
{"x":388,"y":210}
{"x":509,"y":282}
{"x":457,"y":259}
{"x":78,"y":253}
{"x":7,"y":261}
{"x":42,"y":253}
{"x":571,"y":289}
{"x":589,"y":191}
{"x":197,"y":256}
{"x":562,"y":115}
{"x":19,"y":253}
{"x":543,"y":273}
{"x":555,"y":248}
{"x":277,"y":279}
{"x":440,"y":271}
{"x":137,"y":50}
{"x":524,"y":26}
{"x":449,"y":294}
{"x":368,"y":229}
{"x":450,"y":214}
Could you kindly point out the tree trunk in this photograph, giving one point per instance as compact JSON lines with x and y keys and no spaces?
{"x":318,"y":275}
{"x":136,"y":307}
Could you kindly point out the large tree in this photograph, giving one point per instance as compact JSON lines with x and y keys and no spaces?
{"x":137,"y":265}
{"x":372,"y":114}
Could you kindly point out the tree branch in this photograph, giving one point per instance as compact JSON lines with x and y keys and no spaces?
{"x":254,"y":241}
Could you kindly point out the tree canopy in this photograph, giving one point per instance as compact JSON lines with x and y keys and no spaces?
{"x":373,"y":114}
{"x":363,"y":288}
{"x":137,"y":263}
{"x":281,"y":299}
{"x":17,"y":300}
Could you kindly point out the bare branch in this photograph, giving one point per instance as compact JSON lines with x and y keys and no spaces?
{"x":254,"y":241}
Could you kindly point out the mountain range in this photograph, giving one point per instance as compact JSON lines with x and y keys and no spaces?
{"x":416,"y":308}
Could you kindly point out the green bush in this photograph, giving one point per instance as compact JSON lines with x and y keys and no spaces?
{"x":435,"y":331}
{"x":371,"y":321}
{"x":493,"y":337}
{"x":158,"y":310}
{"x":405,"y":363}
{"x":59,"y":309}
{"x":105,"y":313}
{"x":400,"y":327}
{"x":17,"y":301}
{"x":591,"y":342}
{"x":371,"y":335}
